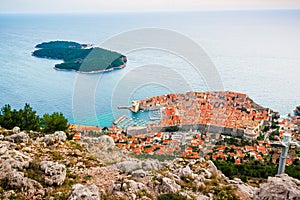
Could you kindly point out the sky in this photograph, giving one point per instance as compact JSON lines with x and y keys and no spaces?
{"x":88,"y":6}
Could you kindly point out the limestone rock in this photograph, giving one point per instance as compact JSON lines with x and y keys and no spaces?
{"x":108,"y":141}
{"x":16,"y":130}
{"x":131,"y":185}
{"x":169,"y":186}
{"x":58,"y":136}
{"x":18,"y":180}
{"x":139,"y":173}
{"x":129,"y":166}
{"x":81,"y":192}
{"x":281,"y":187}
{"x":185,"y":172}
{"x":55,"y":173}
{"x":244,"y":190}
{"x":3,"y":148}
{"x":213,"y":167}
{"x":18,"y":137}
{"x":151,"y":164}
{"x":15,"y":162}
{"x":133,"y":165}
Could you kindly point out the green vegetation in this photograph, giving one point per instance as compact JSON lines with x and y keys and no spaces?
{"x":34,"y":172}
{"x":27,"y":119}
{"x":235,"y":141}
{"x":254,"y":170}
{"x":88,"y":177}
{"x":172,"y":129}
{"x":155,"y":156}
{"x":54,"y":122}
{"x":59,"y":44}
{"x":77,"y":58}
{"x":273,"y":134}
{"x":224,"y":192}
{"x":170,"y":196}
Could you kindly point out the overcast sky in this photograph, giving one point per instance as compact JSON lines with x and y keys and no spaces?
{"x":67,"y":6}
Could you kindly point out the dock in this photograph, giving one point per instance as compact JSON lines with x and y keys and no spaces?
{"x":124,"y":107}
{"x":118,"y":120}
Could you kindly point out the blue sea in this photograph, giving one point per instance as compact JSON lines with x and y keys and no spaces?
{"x":254,"y":52}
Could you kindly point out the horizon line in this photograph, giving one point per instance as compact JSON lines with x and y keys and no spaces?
{"x":152,"y":11}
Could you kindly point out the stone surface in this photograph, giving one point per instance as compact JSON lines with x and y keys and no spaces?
{"x":133,"y":165}
{"x":18,"y":137}
{"x":18,"y":180}
{"x":3,"y":148}
{"x":169,"y":186}
{"x":129,"y":166}
{"x":15,"y":162}
{"x":81,"y":192}
{"x":55,"y":173}
{"x":16,"y":130}
{"x":139,"y":173}
{"x":244,"y":190}
{"x":108,"y":141}
{"x":281,"y":187}
{"x":151,"y":164}
{"x":185,"y":172}
{"x":58,"y":136}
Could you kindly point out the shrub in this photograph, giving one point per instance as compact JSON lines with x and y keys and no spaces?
{"x":54,"y":122}
{"x":25,"y":118}
{"x":170,"y":196}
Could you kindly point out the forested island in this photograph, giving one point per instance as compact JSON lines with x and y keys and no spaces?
{"x":80,"y":57}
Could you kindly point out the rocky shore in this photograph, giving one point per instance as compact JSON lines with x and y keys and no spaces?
{"x":37,"y":166}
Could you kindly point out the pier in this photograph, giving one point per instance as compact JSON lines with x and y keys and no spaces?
{"x":118,"y":120}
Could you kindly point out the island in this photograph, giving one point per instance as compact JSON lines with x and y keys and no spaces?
{"x":80,"y":57}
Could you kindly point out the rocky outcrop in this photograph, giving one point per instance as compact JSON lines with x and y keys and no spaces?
{"x":18,"y":180}
{"x":20,"y":137}
{"x":36,"y":169}
{"x":280,"y":187}
{"x":55,"y":173}
{"x":58,"y":136}
{"x":134,"y":165}
{"x":16,"y":130}
{"x":106,"y":141}
{"x":127,"y":188}
{"x":169,"y":186}
{"x":3,"y":148}
{"x":129,"y":166}
{"x":81,"y":192}
{"x":244,"y":190}
{"x":139,"y":173}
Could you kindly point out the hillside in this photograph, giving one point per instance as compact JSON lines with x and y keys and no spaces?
{"x":37,"y":166}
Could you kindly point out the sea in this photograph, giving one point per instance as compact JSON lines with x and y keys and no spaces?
{"x":253,"y":52}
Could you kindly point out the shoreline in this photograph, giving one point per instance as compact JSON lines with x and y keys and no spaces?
{"x":92,"y":72}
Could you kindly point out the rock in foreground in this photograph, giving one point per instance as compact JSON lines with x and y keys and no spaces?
{"x":281,"y":187}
